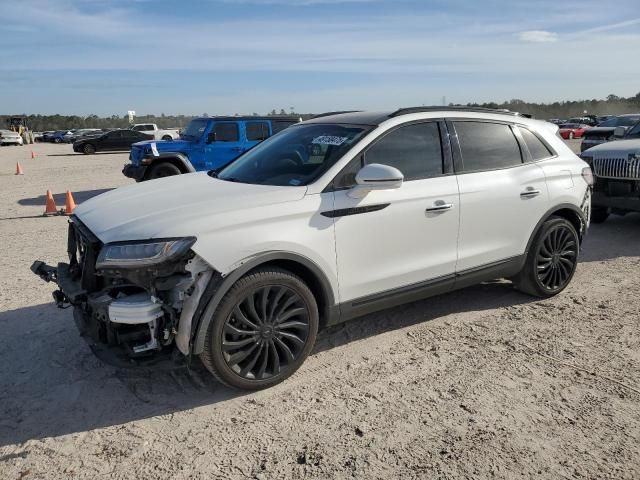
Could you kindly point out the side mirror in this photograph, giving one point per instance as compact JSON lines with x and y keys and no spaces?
{"x":619,"y":132}
{"x":376,"y":177}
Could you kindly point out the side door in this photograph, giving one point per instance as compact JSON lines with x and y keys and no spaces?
{"x":111,"y":140}
{"x":393,"y":244}
{"x":255,"y":132}
{"x":502,"y":196}
{"x":223,"y":144}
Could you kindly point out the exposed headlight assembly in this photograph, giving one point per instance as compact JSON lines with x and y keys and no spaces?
{"x":142,"y":254}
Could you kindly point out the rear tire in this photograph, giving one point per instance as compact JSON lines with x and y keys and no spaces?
{"x":163,"y":169}
{"x":88,"y":149}
{"x":551,"y":261}
{"x":167,"y":137}
{"x":262,"y":330}
{"x":599,"y":214}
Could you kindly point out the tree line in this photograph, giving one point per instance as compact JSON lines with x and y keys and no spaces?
{"x":612,"y":105}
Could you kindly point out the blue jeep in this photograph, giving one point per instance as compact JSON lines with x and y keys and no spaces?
{"x":207,"y":143}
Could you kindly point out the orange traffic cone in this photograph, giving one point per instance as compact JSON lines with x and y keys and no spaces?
{"x":33,"y":154}
{"x":19,"y":169}
{"x":50,"y":208}
{"x":70,"y":205}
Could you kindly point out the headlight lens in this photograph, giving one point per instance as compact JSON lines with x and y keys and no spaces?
{"x":142,"y":254}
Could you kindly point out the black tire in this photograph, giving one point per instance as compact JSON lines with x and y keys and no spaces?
{"x":57,"y":140}
{"x":599,"y":214}
{"x":551,"y":261}
{"x":246,"y":346}
{"x":163,"y":169}
{"x":88,"y":149}
{"x":167,"y":137}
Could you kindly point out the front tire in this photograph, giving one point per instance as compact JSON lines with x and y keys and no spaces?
{"x":262,"y":331}
{"x":551,"y":261}
{"x":163,"y":169}
{"x":88,"y":149}
{"x":599,"y":214}
{"x":167,"y":137}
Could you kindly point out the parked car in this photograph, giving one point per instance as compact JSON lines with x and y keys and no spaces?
{"x":604,"y":132}
{"x":333,"y":218}
{"x":590,"y":120}
{"x":7,"y":137}
{"x":71,"y":137}
{"x":157,"y":133}
{"x":569,"y":131}
{"x":616,"y":169}
{"x":57,"y":136}
{"x":206,"y":143}
{"x":116,"y":140}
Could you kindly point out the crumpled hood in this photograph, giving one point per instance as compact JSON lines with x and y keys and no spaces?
{"x":617,"y":148}
{"x":183,"y":205}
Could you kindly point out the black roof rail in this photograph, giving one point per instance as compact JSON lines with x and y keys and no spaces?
{"x":327,"y":114}
{"x":406,"y":111}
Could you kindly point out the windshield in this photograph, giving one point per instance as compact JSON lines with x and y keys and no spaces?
{"x":620,"y":122}
{"x":195,"y":129}
{"x":296,"y":156}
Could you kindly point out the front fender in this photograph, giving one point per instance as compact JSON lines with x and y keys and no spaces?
{"x":179,"y":156}
{"x":220,"y":285}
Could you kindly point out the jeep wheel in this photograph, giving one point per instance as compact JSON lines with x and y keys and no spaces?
{"x":262,"y":331}
{"x":163,"y":169}
{"x":88,"y":149}
{"x":551,"y":261}
{"x":599,"y":214}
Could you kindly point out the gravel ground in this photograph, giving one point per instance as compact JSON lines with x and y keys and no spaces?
{"x":480,"y":383}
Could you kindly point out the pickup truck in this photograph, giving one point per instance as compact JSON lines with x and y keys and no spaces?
{"x":609,"y":130}
{"x":157,"y":133}
{"x":207,"y":143}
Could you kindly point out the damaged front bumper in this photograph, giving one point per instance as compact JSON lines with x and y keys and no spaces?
{"x":130,"y":317}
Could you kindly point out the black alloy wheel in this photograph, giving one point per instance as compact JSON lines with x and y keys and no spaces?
{"x":557,"y":258}
{"x":262,"y":330}
{"x":551,"y":260}
{"x":88,"y":149}
{"x":266,"y":332}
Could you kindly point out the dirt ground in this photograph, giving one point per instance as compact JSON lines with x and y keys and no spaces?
{"x":481,"y":383}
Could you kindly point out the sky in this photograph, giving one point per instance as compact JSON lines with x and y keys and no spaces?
{"x":105,"y":57}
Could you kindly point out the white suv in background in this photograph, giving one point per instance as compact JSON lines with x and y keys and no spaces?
{"x":330,"y":219}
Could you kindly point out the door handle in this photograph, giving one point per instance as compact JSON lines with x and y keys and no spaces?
{"x":530,"y":192}
{"x":236,"y":149}
{"x":439,"y":206}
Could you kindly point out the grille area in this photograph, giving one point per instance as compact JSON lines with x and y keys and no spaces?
{"x":617,"y":168}
{"x":83,"y":248}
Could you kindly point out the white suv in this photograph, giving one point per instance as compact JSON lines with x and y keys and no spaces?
{"x":328,"y":220}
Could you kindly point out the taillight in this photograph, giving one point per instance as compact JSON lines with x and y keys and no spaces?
{"x":587,"y":174}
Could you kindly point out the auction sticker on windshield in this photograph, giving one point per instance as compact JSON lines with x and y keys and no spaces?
{"x":329,"y":140}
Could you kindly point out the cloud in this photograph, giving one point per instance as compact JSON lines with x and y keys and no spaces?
{"x":538,"y":36}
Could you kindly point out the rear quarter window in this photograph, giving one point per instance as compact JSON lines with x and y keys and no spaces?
{"x":537,"y":149}
{"x":487,"y":146}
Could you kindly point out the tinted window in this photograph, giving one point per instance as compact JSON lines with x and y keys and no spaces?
{"x":279,"y":125}
{"x":487,"y":146}
{"x":537,"y":149}
{"x":226,"y":132}
{"x":415,"y":150}
{"x":115,"y":134}
{"x":257,"y":130}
